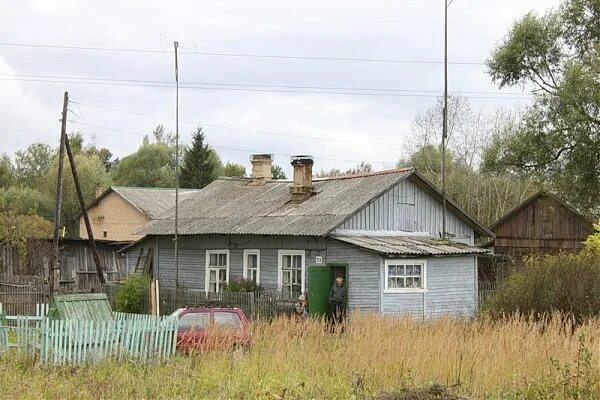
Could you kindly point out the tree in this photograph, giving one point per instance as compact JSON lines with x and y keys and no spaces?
{"x":91,"y":174}
{"x":277,"y":172}
{"x":201,"y":163}
{"x":468,"y":130}
{"x":556,"y":54}
{"x":234,"y":170}
{"x":7,"y":172}
{"x":26,"y":201}
{"x":32,"y":164}
{"x":485,"y":196}
{"x":363,"y":167}
{"x":152,"y":165}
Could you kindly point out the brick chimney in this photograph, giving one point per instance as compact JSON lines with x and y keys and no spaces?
{"x":261,"y":168}
{"x":302,"y":187}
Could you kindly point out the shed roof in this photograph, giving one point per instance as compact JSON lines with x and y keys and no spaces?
{"x":237,"y":206}
{"x":410,"y":246}
{"x":152,"y":202}
{"x":533,"y":198}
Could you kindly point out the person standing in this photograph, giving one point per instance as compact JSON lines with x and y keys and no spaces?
{"x":301,"y":307}
{"x":337,"y":301}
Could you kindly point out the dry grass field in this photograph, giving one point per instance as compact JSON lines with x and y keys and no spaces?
{"x":513,"y":359}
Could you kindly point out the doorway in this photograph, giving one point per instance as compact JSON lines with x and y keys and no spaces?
{"x":321,"y":279}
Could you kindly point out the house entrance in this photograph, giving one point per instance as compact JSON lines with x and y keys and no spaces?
{"x":321,"y":279}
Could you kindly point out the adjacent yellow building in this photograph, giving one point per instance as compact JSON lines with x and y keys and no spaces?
{"x":118,"y":212}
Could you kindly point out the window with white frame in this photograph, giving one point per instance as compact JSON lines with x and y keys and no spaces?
{"x":291,"y":272}
{"x":252,"y":265}
{"x":217,"y":270}
{"x":404,"y":275}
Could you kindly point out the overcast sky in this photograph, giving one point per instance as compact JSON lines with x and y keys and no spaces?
{"x":391,"y":30}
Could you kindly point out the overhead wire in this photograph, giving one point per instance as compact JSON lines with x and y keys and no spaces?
{"x":139,"y":134}
{"x":234,"y":84}
{"x":244,"y":55}
{"x":245,"y":89}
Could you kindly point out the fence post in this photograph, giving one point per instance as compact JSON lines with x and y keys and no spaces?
{"x":252,"y":306}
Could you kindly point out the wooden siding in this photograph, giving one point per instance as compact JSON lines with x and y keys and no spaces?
{"x":362,"y":274}
{"x":451,"y":290}
{"x":543,"y":226}
{"x":407,"y":207}
{"x":192,"y":256}
{"x":77,"y":265}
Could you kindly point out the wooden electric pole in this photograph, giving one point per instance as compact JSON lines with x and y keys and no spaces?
{"x":445,"y":118}
{"x":55,"y":262}
{"x":176,"y":238}
{"x":84,"y":213}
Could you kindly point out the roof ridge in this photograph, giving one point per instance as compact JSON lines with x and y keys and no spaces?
{"x":148,"y":188}
{"x":367,"y":174}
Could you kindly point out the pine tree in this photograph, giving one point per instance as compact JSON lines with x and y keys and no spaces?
{"x":201,"y":163}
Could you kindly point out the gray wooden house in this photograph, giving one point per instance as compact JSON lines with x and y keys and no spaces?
{"x":381,"y":230}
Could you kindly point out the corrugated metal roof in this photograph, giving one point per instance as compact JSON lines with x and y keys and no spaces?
{"x":236,"y":206}
{"x":153,"y":202}
{"x":413,"y":246}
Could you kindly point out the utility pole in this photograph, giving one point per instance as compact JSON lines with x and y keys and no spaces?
{"x":84,"y":213}
{"x":445,"y":118}
{"x":176,"y":238}
{"x":55,"y":263}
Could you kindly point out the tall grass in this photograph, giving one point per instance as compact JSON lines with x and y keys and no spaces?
{"x":289,"y":359}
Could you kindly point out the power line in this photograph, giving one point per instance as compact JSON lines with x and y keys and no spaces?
{"x":244,"y":55}
{"x":246,"y":89}
{"x":170,"y":84}
{"x":256,"y":131}
{"x":139,"y":134}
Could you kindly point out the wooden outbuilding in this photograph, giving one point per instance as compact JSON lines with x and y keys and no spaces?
{"x":542,"y":224}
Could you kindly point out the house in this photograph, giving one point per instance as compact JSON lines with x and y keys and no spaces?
{"x":380,"y":230}
{"x":542,"y":224}
{"x":118,"y":212}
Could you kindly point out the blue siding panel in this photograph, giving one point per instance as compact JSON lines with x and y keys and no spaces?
{"x":192,"y":256}
{"x":451,"y":290}
{"x":407,"y":207}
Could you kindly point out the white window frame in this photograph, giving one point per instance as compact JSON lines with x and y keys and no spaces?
{"x":280,"y":254}
{"x":247,"y":253}
{"x":206,"y":270}
{"x":422,"y":263}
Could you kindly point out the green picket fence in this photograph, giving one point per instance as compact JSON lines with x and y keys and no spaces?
{"x":71,"y":342}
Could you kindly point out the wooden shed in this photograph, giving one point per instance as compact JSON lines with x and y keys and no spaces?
{"x":542,"y":224}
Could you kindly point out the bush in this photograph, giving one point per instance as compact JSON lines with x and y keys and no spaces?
{"x":566,"y":283}
{"x":131,"y":295}
{"x":242,"y":285}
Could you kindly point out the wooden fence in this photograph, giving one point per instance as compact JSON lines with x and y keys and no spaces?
{"x":486,"y":290}
{"x":71,"y":342}
{"x":256,"y":305}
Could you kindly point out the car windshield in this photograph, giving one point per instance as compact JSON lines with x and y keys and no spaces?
{"x":193,"y":319}
{"x":227,"y":319}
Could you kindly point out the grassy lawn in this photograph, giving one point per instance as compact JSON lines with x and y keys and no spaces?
{"x":299,"y":360}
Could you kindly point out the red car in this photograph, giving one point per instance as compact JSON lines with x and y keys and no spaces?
{"x":204,"y":328}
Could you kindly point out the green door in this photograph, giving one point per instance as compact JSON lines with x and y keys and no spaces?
{"x":319,"y":278}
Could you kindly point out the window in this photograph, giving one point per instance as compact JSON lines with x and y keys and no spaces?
{"x":104,"y":233}
{"x":194,"y":320}
{"x":217,"y":270}
{"x":404,"y":275}
{"x":252,"y":265}
{"x":291,"y":272}
{"x":227,"y":319}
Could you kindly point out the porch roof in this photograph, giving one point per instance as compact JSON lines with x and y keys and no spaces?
{"x":410,"y":246}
